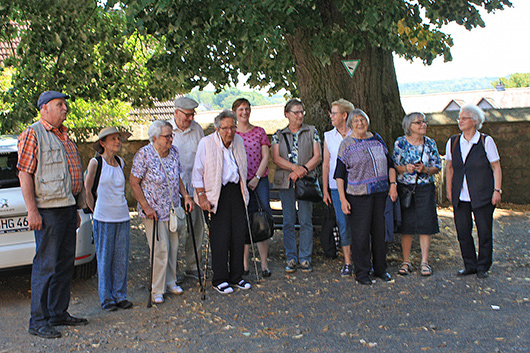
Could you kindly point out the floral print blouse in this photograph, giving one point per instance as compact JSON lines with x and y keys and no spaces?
{"x":146,"y":166}
{"x":405,"y":153}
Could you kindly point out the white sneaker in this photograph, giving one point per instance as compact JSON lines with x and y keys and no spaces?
{"x":175,"y":290}
{"x":158,"y":299}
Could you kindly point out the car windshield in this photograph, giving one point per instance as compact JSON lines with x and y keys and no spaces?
{"x":8,"y":170}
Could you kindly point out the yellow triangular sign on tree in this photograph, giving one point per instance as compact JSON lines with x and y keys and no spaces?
{"x":351,"y":65}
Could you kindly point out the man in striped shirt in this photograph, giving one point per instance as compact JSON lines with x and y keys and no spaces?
{"x":51,"y":180}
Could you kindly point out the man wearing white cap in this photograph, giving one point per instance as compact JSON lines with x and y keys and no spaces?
{"x":186,"y":136}
{"x":51,"y":180}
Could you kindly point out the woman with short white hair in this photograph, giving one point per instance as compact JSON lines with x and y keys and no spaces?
{"x":156,"y":184}
{"x":220,"y":180}
{"x":474,"y":186}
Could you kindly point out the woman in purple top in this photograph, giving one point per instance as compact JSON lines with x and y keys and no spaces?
{"x":365,"y":175}
{"x":257,"y":147}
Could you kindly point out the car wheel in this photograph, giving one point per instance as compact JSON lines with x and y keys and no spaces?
{"x":87,"y":270}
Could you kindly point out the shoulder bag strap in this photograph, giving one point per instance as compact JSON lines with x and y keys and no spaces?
{"x":289,"y":154}
{"x":167,"y":177}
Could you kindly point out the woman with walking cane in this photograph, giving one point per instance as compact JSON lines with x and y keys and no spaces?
{"x":156,"y":185}
{"x":219,"y":178}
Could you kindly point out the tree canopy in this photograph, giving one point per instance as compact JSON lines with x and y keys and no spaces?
{"x":298,"y":45}
{"x":140,"y":50}
{"x":514,"y":80}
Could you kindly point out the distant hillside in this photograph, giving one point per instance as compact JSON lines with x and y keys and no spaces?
{"x":464,"y":84}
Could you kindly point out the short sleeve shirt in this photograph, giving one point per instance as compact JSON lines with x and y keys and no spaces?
{"x":407,"y":153}
{"x":146,"y":166}
{"x":254,"y":140}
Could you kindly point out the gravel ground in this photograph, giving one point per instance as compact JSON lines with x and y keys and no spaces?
{"x":318,"y":311}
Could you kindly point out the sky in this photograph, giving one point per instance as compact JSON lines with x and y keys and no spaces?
{"x":499,"y":49}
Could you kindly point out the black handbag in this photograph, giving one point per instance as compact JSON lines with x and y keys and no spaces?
{"x":306,"y":188}
{"x":406,"y":192}
{"x":261,"y":223}
{"x":329,"y":234}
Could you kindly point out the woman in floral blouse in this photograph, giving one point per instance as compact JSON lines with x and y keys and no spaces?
{"x":416,"y":161}
{"x":156,"y":184}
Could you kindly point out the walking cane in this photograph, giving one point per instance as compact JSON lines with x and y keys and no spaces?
{"x":155,"y":235}
{"x":192,"y":231}
{"x":208,"y":223}
{"x":258,"y":279}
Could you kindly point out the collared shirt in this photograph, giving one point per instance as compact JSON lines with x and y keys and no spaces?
{"x":186,"y":142}
{"x":332,"y":139}
{"x":27,"y":158}
{"x":465,"y":147}
{"x":230,"y":170}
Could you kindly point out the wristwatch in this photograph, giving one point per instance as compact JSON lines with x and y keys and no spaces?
{"x":498,"y":190}
{"x":257,"y":177}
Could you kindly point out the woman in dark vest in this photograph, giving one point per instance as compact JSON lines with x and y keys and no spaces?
{"x":473,"y":185}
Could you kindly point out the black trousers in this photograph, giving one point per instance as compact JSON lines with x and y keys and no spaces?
{"x":367,"y":223}
{"x":464,"y":226}
{"x":227,"y":236}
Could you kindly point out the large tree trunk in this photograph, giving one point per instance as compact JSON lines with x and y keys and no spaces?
{"x":373,"y":88}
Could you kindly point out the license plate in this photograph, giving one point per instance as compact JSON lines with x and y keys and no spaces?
{"x":13,"y":224}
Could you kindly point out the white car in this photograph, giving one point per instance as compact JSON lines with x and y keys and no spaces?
{"x":17,"y":242}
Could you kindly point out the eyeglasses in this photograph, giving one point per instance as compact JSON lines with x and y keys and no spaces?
{"x":167,"y":137}
{"x":228,"y":128}
{"x":420,"y":122}
{"x":464,"y":118}
{"x":298,"y":112}
{"x":188,"y":115}
{"x":358,"y":121}
{"x":334,"y":113}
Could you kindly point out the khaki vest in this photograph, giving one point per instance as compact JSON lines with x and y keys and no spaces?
{"x":305,"y":153}
{"x":53,"y":184}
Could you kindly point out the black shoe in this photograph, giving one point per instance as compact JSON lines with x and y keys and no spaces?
{"x":466,"y":272}
{"x":482,"y":274}
{"x":124,"y":304}
{"x":179,"y":279}
{"x":266,"y":273}
{"x":365,"y":281}
{"x":69,"y":321}
{"x":45,"y":331}
{"x":385,"y":277}
{"x":110,"y":307}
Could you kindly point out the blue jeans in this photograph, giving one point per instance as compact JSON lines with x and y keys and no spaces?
{"x":112,"y":251}
{"x":305,"y":212}
{"x":53,"y":265}
{"x":342,"y":221}
{"x":264,"y":197}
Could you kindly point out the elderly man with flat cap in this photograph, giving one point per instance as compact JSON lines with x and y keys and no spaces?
{"x":186,"y":136}
{"x":51,"y":180}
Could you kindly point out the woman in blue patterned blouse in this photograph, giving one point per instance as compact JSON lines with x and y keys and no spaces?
{"x":416,"y":161}
{"x":365,"y":176}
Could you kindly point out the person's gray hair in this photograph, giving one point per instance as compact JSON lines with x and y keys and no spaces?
{"x":223,"y":115}
{"x":155,"y":130}
{"x":476,"y":114}
{"x":291,"y":104}
{"x":344,"y":105}
{"x":353,"y":114}
{"x":409,"y":119}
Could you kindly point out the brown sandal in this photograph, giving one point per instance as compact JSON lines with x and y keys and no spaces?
{"x":405,"y":269}
{"x":426,"y":270}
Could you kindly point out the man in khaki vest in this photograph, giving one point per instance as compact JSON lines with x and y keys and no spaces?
{"x":51,"y":180}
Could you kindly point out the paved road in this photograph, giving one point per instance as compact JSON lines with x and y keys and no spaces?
{"x":306,"y":312}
